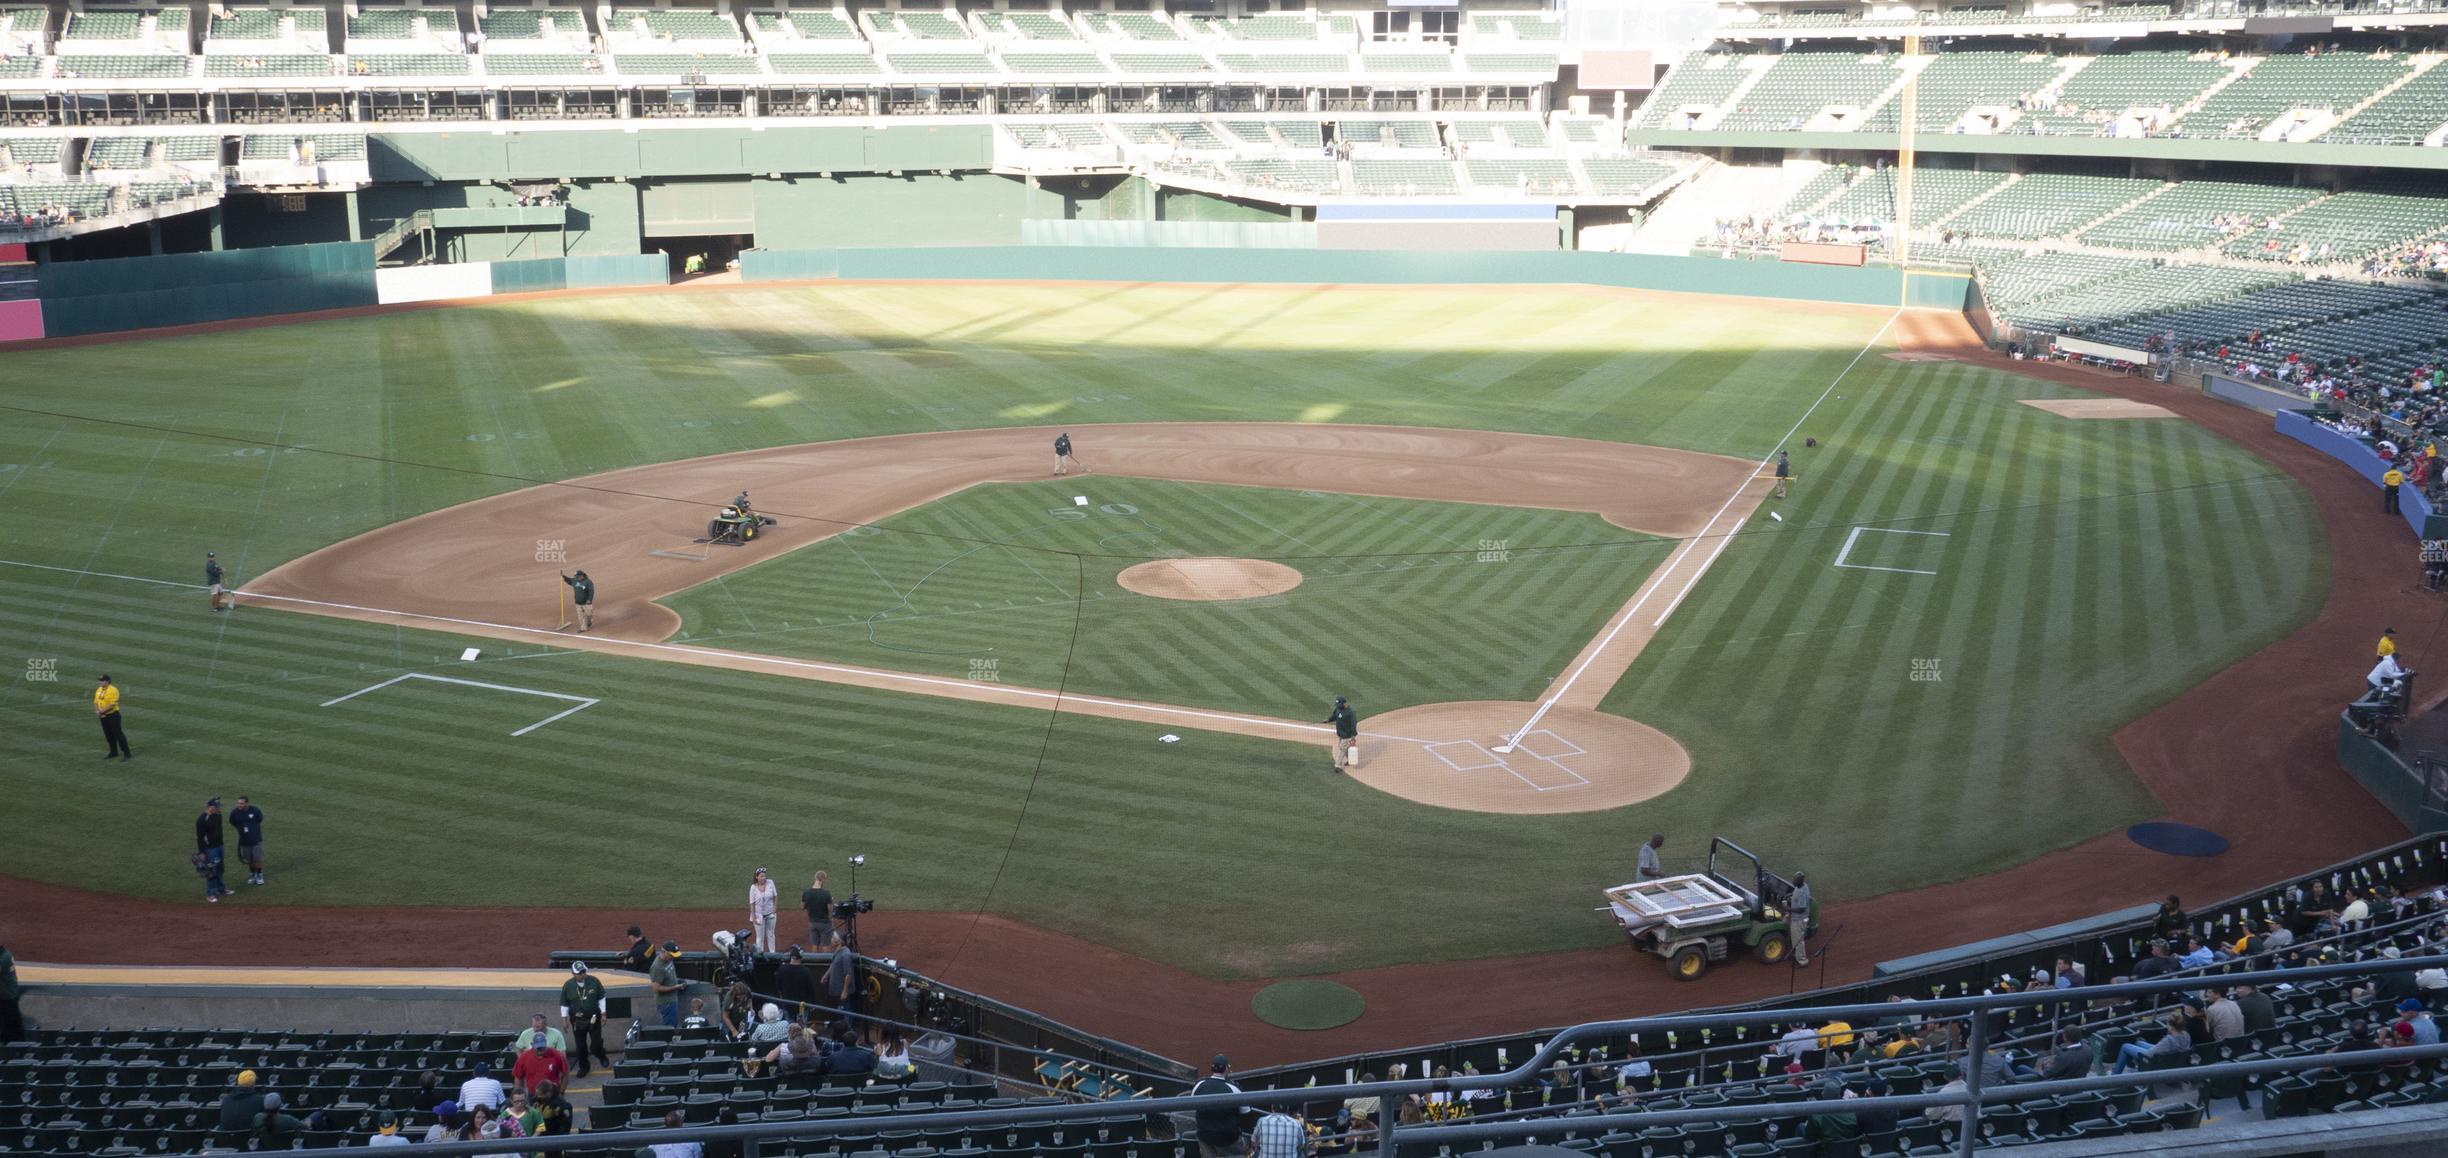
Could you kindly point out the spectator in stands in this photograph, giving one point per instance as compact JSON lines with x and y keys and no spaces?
{"x":1874,"y":1120}
{"x":2221,"y":1016}
{"x":770,"y":1028}
{"x":549,"y":1113}
{"x":2258,"y":1011}
{"x":697,"y":1018}
{"x":1955,"y":1085}
{"x":1799,"y":1040}
{"x":672,"y":1121}
{"x":2071,"y":1058}
{"x":429,"y":1091}
{"x":275,"y":1130}
{"x":241,"y":1103}
{"x":641,"y":953}
{"x":2196,"y":954}
{"x":12,"y":1019}
{"x":2157,"y":963}
{"x":798,"y":1054}
{"x":893,"y":1058}
{"x":538,"y":1027}
{"x":850,"y":1056}
{"x":817,"y":901}
{"x":2172,"y":1041}
{"x":738,"y":1012}
{"x":1219,"y":1127}
{"x":663,"y":976}
{"x":481,"y":1090}
{"x":1833,"y":1125}
{"x":386,"y":1132}
{"x":1280,"y":1135}
{"x":447,"y":1122}
{"x":582,"y":1008}
{"x":2170,"y":920}
{"x":537,"y":1064}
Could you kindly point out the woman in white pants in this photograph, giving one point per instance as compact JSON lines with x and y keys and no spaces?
{"x":761,"y":910}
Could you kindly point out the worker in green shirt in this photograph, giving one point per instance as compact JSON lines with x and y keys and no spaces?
{"x":12,"y":1022}
{"x":582,"y":1009}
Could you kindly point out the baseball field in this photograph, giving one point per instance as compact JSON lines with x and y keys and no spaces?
{"x":1490,"y":503}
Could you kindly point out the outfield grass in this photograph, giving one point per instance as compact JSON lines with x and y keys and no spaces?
{"x":2094,"y":568}
{"x":981,"y":585}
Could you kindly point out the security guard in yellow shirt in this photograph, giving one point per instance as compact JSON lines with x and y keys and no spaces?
{"x":106,"y":708}
{"x":2389,"y":483}
{"x":2388,"y":643}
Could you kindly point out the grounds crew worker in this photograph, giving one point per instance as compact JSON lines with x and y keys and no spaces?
{"x":1062,"y":454}
{"x":582,"y":595}
{"x":582,"y":1007}
{"x":106,"y":708}
{"x":1347,"y":733}
{"x":212,"y":580}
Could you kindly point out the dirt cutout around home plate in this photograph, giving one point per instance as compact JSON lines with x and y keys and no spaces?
{"x":1456,"y":755}
{"x":1208,"y":579}
{"x":2098,"y":408}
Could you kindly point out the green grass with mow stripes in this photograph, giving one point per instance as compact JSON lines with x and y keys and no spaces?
{"x":2091,"y":570}
{"x":982,"y":585}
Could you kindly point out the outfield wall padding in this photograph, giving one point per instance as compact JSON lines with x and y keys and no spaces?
{"x":94,"y":297}
{"x":1869,"y":286}
{"x":615,"y":269}
{"x":1173,"y":234}
{"x":430,"y":283}
{"x":21,"y":320}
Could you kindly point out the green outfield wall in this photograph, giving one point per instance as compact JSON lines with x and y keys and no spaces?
{"x":2010,"y":145}
{"x":1862,"y":286}
{"x":92,"y":297}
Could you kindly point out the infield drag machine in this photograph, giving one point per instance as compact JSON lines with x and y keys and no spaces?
{"x":1698,"y":918}
{"x":736,"y":524}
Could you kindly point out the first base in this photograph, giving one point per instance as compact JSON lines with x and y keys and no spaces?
{"x":469,"y":655}
{"x":1079,"y":500}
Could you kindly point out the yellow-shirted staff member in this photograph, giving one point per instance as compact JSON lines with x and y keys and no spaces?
{"x":106,"y":708}
{"x":2388,"y":643}
{"x":2389,"y":482}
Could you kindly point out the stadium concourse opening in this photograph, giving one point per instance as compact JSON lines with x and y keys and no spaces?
{"x":702,"y":255}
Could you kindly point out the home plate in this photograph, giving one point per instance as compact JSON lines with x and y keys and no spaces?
{"x":1079,"y":500}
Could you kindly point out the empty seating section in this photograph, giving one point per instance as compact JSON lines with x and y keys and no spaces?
{"x":1128,"y":26}
{"x":1301,"y":134}
{"x":1954,"y":83}
{"x":2352,"y":224}
{"x":1399,"y":178}
{"x":117,"y":152}
{"x":382,"y":24}
{"x":290,"y":64}
{"x":1519,"y":26}
{"x":940,"y":62}
{"x":2407,"y":116}
{"x":2139,"y":290}
{"x":1166,"y":62}
{"x":1406,"y":62}
{"x":2331,"y":82}
{"x":806,"y":25}
{"x":1822,"y":185}
{"x":931,"y":26}
{"x":510,"y":24}
{"x":148,"y":66}
{"x":2008,"y":282}
{"x":540,"y":64}
{"x":32,"y":150}
{"x":409,"y":64}
{"x":1266,"y":26}
{"x":20,"y":67}
{"x":673,"y":24}
{"x":286,"y":146}
{"x":1305,"y":175}
{"x":1248,"y":132}
{"x":1800,"y":84}
{"x":1027,"y":25}
{"x":1527,"y":177}
{"x":104,"y":24}
{"x":1388,"y":134}
{"x":1521,"y":62}
{"x":683,"y":64}
{"x":2047,"y":204}
{"x":1063,"y":62}
{"x":245,"y":24}
{"x":1936,"y":193}
{"x":2316,"y":318}
{"x":2114,"y":83}
{"x":2193,"y":214}
{"x":1284,"y":62}
{"x":79,"y":200}
{"x":1623,"y":176}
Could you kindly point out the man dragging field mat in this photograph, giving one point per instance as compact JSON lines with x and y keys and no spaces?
{"x":1347,"y":735}
{"x":582,"y":595}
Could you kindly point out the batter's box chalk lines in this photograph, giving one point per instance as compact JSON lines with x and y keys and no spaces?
{"x":1846,"y":551}
{"x":583,"y":702}
{"x":1472,"y":756}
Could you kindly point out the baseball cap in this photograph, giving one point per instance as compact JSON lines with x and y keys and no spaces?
{"x":483,"y":1068}
{"x":671,"y":947}
{"x":246,"y":1077}
{"x":215,"y":802}
{"x":1219,"y":1062}
{"x":272,"y":1102}
{"x":448,"y":1111}
{"x":2410,"y":1005}
{"x":577,"y":966}
{"x":388,"y":1123}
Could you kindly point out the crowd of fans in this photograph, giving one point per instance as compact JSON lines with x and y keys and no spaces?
{"x":2424,"y":259}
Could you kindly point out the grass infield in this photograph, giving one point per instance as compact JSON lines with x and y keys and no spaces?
{"x":1880,"y":728}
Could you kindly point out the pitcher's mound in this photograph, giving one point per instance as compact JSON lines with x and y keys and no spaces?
{"x":1576,"y":760}
{"x":1209,"y":578}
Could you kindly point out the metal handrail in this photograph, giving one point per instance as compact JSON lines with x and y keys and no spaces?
{"x":1388,"y":1135}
